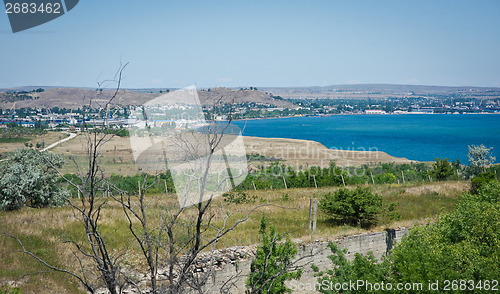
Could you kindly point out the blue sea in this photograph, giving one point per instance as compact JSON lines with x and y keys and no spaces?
{"x":417,"y":137}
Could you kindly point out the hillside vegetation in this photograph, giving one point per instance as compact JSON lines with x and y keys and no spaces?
{"x":42,"y":230}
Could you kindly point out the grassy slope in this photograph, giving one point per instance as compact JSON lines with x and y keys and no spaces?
{"x":42,"y":229}
{"x":11,"y":144}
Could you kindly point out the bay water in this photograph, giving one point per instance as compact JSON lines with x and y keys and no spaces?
{"x":421,"y":137}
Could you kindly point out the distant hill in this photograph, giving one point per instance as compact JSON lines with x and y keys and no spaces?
{"x":78,"y":97}
{"x":239,"y":96}
{"x":378,"y":91}
{"x":383,"y":87}
{"x":31,"y":88}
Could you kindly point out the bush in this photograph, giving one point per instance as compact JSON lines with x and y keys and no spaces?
{"x":28,"y":178}
{"x":462,"y":245}
{"x":361,"y":268}
{"x":480,"y":180}
{"x":479,"y":158}
{"x":354,"y":207}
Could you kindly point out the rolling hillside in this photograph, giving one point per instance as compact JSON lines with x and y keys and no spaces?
{"x":78,"y":97}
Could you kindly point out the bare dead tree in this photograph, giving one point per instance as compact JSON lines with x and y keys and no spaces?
{"x":88,"y":208}
{"x":179,"y":246}
{"x":172,"y":249}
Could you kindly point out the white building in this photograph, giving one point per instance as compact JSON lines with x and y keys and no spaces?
{"x":375,"y":111}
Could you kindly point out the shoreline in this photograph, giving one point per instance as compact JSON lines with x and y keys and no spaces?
{"x":301,"y":152}
{"x":368,"y":114}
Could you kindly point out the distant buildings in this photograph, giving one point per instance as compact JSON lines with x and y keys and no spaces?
{"x":375,"y":111}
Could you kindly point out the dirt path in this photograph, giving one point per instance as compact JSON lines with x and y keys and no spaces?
{"x":71,"y":136}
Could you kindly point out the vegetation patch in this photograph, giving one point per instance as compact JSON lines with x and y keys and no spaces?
{"x":14,"y":140}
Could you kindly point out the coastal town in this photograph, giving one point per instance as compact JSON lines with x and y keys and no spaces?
{"x":119,"y":115}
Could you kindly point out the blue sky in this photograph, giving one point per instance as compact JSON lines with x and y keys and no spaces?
{"x":259,"y":43}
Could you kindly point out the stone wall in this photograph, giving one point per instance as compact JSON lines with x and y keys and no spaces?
{"x":230,"y":260}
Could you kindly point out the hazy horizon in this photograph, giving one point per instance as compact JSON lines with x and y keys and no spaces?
{"x":258,"y":87}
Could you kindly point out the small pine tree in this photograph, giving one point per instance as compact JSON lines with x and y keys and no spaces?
{"x":272,"y":265}
{"x":442,"y":170}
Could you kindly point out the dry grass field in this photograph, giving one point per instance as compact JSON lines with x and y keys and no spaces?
{"x":116,"y":155}
{"x":48,"y":138}
{"x":42,"y":230}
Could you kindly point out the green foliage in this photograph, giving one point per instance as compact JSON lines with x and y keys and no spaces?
{"x":363,"y":268}
{"x":9,"y":290}
{"x":489,"y":192}
{"x":354,"y":207}
{"x":153,"y":185}
{"x":315,"y":176}
{"x":14,"y":130}
{"x":463,"y":245}
{"x":386,"y":178}
{"x":442,"y":170}
{"x":122,"y":133}
{"x":14,"y":140}
{"x":238,"y":197}
{"x":28,"y":178}
{"x":270,"y":268}
{"x":258,"y":157}
{"x":272,"y":175}
{"x":480,"y":180}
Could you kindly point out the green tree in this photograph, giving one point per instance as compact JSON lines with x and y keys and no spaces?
{"x":355,"y":207}
{"x":28,"y":178}
{"x":462,"y":245}
{"x":273,"y":264}
{"x":442,"y":170}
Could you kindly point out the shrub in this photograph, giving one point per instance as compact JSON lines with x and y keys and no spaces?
{"x":344,"y":271}
{"x":271,"y":266}
{"x":354,"y":207}
{"x":479,"y":158}
{"x":28,"y":178}
{"x":481,"y":179}
{"x":238,"y":197}
{"x":462,"y":245}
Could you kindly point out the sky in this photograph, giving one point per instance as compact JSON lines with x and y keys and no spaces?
{"x":258,"y":43}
